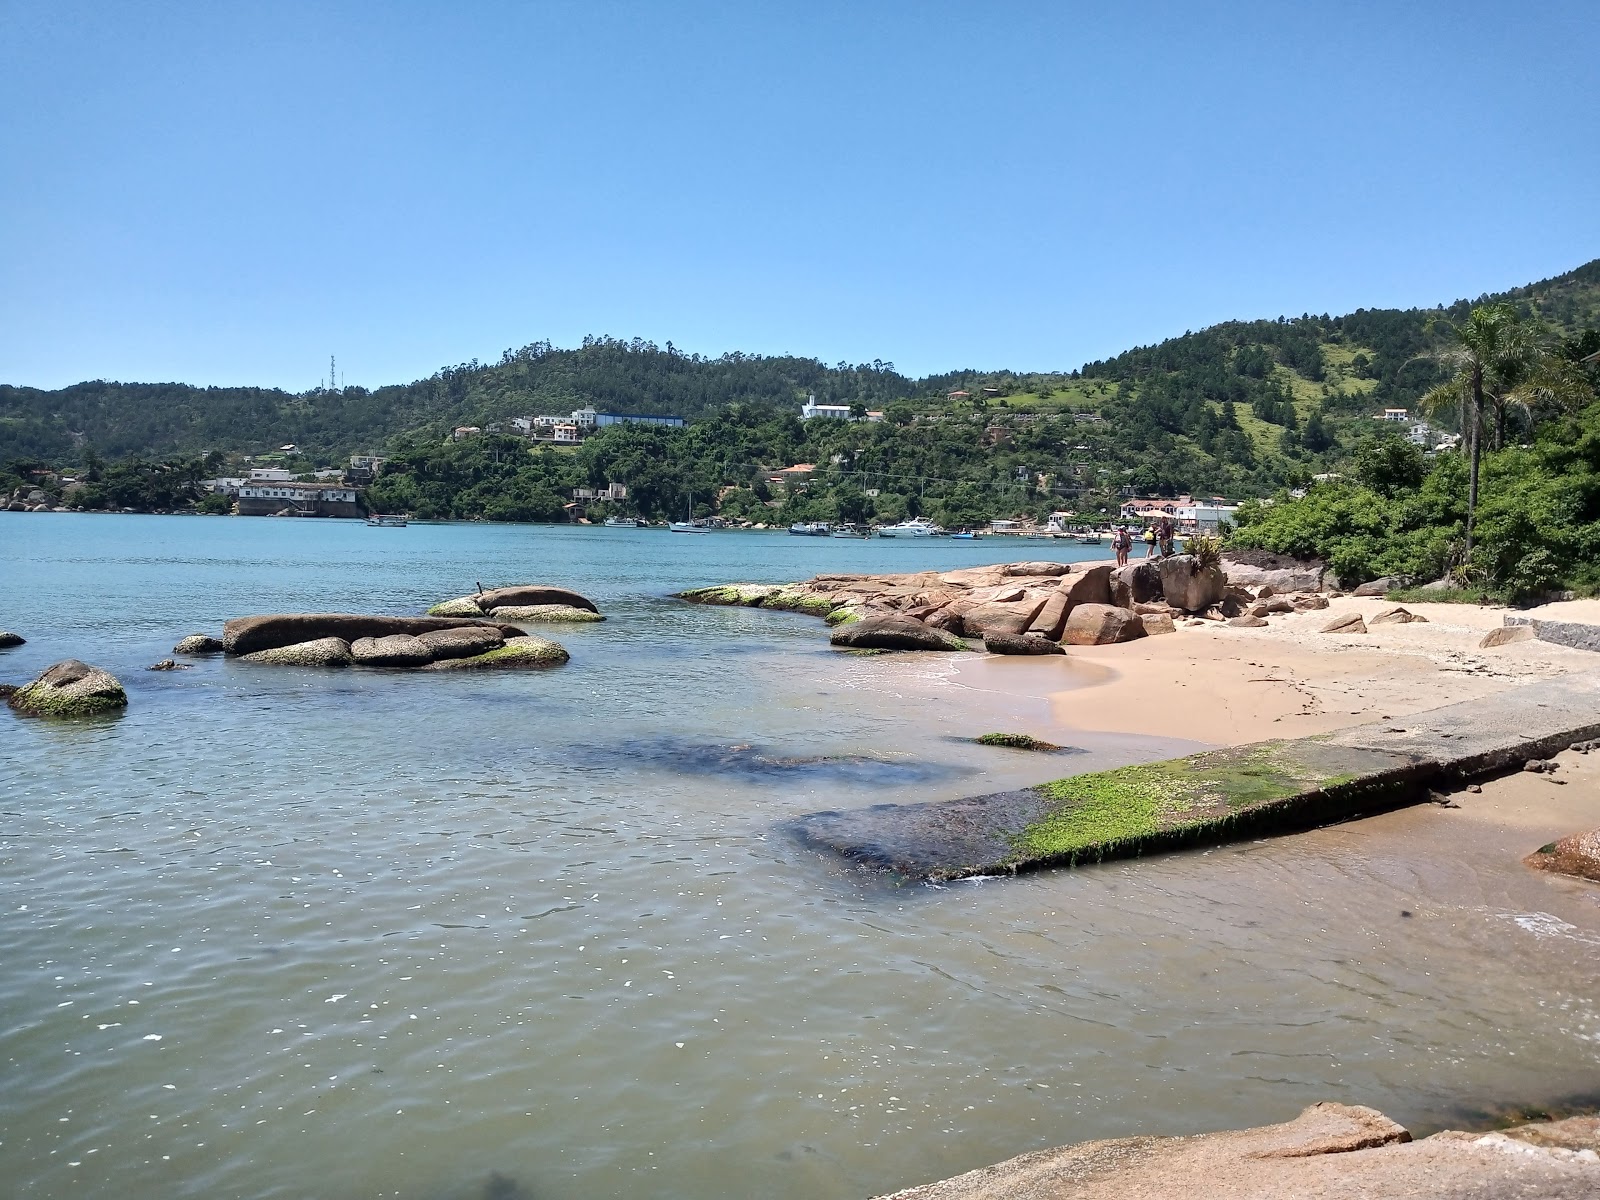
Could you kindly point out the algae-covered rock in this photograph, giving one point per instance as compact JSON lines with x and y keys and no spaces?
{"x":167,"y":664}
{"x":1016,"y":741}
{"x":544,"y":612}
{"x":731,"y":595}
{"x":393,"y":650}
{"x":894,"y":633}
{"x":517,"y":652}
{"x":321,"y":652}
{"x":461,"y":606}
{"x":199,"y":643}
{"x":9,"y":639}
{"x":532,"y":593}
{"x":70,"y":689}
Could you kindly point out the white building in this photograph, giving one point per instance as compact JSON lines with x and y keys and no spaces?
{"x":566,"y":433}
{"x":270,"y":475}
{"x":837,"y":412}
{"x":1205,"y":518}
{"x":1395,"y":414}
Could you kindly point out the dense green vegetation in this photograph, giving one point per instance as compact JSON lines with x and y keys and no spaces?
{"x":1399,"y":513}
{"x":1240,"y":409}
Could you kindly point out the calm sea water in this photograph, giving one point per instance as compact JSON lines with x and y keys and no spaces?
{"x":281,"y":933}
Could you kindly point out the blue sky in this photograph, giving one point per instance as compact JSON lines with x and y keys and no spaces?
{"x":229,"y":192}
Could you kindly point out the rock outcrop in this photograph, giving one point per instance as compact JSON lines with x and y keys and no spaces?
{"x":1396,"y":616}
{"x":537,"y":613}
{"x":199,"y":643}
{"x":463,"y":642}
{"x":1578,"y":854}
{"x":1157,"y":623}
{"x":532,"y":593}
{"x":1189,"y":586}
{"x":70,"y":689}
{"x":247,"y":635}
{"x":1137,"y":583}
{"x":9,"y":639}
{"x":891,"y":632}
{"x":1376,"y":587}
{"x":1505,"y":636}
{"x":1102,"y":625}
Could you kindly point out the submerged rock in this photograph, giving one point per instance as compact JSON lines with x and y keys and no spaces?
{"x":894,"y":633}
{"x":199,"y":643}
{"x":516,"y":652}
{"x":9,"y":639}
{"x":166,"y":664}
{"x":70,"y":689}
{"x":1017,"y":741}
{"x":319,"y":652}
{"x":1577,"y":854}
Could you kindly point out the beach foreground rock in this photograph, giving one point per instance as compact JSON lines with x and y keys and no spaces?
{"x":70,"y":689}
{"x":1012,"y":643}
{"x":247,"y":635}
{"x":1577,"y":855}
{"x":1329,"y":1150}
{"x":404,"y":643}
{"x":894,"y":633}
{"x":1248,"y":791}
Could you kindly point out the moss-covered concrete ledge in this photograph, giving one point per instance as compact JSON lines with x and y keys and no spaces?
{"x":1217,"y":796}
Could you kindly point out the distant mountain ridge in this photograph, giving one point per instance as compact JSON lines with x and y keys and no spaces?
{"x":1226,"y":392}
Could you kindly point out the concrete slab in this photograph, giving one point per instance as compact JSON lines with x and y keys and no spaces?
{"x":1220,"y":795}
{"x":1576,"y":634}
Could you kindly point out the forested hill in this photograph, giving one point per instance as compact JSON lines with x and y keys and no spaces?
{"x":1238,"y":407}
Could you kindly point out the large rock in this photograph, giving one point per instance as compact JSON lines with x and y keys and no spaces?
{"x":1397,"y":616}
{"x":1187,"y":585}
{"x":1101,"y":625}
{"x":1308,"y":578}
{"x":461,"y":643}
{"x":1377,"y":587}
{"x":531,"y":593}
{"x":1092,"y":586}
{"x":1157,"y":623}
{"x":1577,"y":855}
{"x":70,"y":689}
{"x":1051,"y":618}
{"x":894,"y":633}
{"x":1137,"y":583}
{"x":544,"y":612}
{"x":1002,"y":617}
{"x":9,"y":639}
{"x":395,"y":650}
{"x":1350,"y":622}
{"x":319,"y":652}
{"x":246,"y":635}
{"x":522,"y":652}
{"x":1506,"y":635}
{"x":1247,"y":621}
{"x":199,"y":643}
{"x":1011,"y":643}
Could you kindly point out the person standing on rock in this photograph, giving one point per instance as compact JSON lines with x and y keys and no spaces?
{"x":1122,"y":542}
{"x":1149,"y":541}
{"x":1164,"y":536}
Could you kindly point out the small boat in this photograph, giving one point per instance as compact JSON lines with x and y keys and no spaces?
{"x":966,"y":535}
{"x":624,"y":523}
{"x":851,"y":531}
{"x":914,"y":528}
{"x":810,"y":529}
{"x":1089,"y":539}
{"x":688,"y":524}
{"x":387,"y":520}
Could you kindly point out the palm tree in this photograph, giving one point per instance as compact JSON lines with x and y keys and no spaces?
{"x":1498,"y":360}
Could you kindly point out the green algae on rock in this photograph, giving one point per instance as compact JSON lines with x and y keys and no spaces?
{"x":70,"y":689}
{"x":319,"y":652}
{"x":1017,"y":741}
{"x":535,"y":613}
{"x":528,"y":651}
{"x":461,"y":606}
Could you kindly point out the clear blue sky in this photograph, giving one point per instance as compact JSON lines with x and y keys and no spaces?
{"x":222,"y":192}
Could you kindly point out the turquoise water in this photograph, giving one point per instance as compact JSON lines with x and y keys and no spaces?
{"x":283,"y":933}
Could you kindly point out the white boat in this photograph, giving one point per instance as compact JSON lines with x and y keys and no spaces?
{"x":810,"y":529}
{"x":688,"y":525}
{"x":916,"y":527}
{"x":851,"y":531}
{"x":387,"y":521}
{"x":624,"y":523}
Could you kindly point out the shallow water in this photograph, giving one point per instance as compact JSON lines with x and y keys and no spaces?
{"x":281,"y":933}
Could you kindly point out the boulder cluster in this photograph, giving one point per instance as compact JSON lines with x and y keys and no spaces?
{"x":69,"y":689}
{"x":348,"y":639}
{"x":1013,"y":608}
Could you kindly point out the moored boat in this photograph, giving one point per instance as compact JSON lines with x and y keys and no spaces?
{"x":810,"y":529}
{"x":916,"y":527}
{"x":851,"y":531}
{"x":387,"y":520}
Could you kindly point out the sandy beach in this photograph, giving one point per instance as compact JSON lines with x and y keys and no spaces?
{"x":1223,"y":685}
